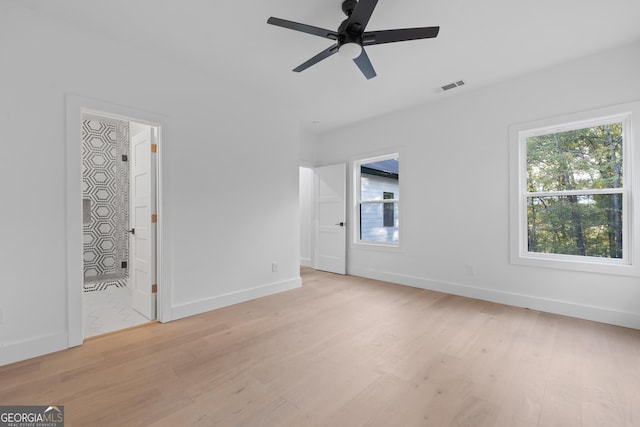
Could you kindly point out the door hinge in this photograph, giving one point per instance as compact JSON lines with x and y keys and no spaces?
{"x":154,"y":289}
{"x":154,"y":148}
{"x":123,"y":264}
{"x":125,"y":158}
{"x":154,"y":218}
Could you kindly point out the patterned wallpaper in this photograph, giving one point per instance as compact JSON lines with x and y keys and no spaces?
{"x":105,"y":187}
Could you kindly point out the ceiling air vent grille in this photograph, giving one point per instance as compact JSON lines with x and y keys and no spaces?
{"x":452,"y":85}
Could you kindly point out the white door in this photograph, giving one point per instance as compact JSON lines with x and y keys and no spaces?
{"x":142,"y":248}
{"x":330,"y":192}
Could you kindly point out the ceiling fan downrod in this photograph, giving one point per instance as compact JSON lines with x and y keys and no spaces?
{"x":348,"y":6}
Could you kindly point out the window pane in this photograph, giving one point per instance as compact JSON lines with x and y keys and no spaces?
{"x":576,"y":225}
{"x":372,"y":222}
{"x":379,"y":177}
{"x":578,"y":159}
{"x":378,"y":199}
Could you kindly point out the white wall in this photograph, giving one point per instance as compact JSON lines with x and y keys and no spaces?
{"x":308,"y":148}
{"x":219,"y":240}
{"x":455,"y":172}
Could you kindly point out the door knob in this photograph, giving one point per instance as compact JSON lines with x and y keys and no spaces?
{"x":341,"y":224}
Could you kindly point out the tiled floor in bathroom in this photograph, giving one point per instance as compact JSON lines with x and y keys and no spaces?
{"x":109,"y":310}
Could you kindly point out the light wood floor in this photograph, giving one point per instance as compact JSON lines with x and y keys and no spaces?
{"x":345,"y":351}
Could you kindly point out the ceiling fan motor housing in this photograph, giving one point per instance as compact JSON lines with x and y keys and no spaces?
{"x":345,"y":36}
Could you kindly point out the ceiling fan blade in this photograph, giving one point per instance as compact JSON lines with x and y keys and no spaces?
{"x":391,"y":36}
{"x":365,"y":65}
{"x":319,"y":57}
{"x":359,"y":19}
{"x":309,"y":29}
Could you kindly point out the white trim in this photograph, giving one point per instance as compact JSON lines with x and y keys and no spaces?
{"x":574,"y":121}
{"x":76,"y":106}
{"x":207,"y":304}
{"x":629,"y":114}
{"x":33,"y":347}
{"x":566,"y":308}
{"x":574,"y":192}
{"x":373,"y":202}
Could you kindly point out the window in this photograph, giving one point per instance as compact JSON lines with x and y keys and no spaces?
{"x":377,"y":200}
{"x":572,"y":203}
{"x":574,"y":191}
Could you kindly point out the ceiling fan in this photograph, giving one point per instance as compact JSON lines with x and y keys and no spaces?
{"x":351,"y":36}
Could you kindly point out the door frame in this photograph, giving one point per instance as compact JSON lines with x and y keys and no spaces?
{"x":309,"y":193}
{"x":76,"y":106}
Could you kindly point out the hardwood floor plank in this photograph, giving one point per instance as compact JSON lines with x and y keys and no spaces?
{"x":345,"y":351}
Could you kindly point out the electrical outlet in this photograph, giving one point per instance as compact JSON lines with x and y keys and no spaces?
{"x":274,"y":267}
{"x":471,"y":270}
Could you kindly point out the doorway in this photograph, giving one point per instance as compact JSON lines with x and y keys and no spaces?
{"x":323,"y":217}
{"x":118,"y":227}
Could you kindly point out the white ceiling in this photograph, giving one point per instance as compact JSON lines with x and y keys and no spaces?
{"x":480,"y":42}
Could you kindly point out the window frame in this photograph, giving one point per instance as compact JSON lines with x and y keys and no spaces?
{"x":627,"y":114}
{"x":357,"y":202}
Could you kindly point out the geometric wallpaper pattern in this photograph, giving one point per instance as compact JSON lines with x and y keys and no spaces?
{"x":105,"y":190}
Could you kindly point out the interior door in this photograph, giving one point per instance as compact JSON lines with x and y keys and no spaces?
{"x":330,"y":196}
{"x":142,"y":246}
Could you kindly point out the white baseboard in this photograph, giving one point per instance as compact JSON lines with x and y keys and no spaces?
{"x":598,"y":314}
{"x":306,"y":262}
{"x":219,"y":301}
{"x":33,"y":347}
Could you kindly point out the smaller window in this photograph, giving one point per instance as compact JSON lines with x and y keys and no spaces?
{"x":377,"y":200}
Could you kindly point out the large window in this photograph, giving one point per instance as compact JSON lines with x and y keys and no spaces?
{"x":575,"y":190}
{"x":377,"y":200}
{"x":573,"y":201}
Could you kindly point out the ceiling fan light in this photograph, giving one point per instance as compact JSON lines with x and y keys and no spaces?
{"x":350,"y":50}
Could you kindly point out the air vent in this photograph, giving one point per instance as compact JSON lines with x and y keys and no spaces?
{"x":452,"y":85}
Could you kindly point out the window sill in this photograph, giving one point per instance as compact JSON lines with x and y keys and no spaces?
{"x":587,"y":265}
{"x":377,"y":246}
